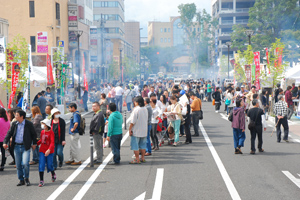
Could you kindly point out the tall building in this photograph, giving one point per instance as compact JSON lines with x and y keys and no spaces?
{"x":132,"y":35}
{"x":229,"y":13}
{"x":41,"y":23}
{"x":85,"y":11}
{"x":109,"y":19}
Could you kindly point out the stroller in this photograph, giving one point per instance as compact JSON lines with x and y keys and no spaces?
{"x":162,"y":133}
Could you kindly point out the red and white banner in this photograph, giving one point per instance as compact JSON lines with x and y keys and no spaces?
{"x":257,"y":69}
{"x":14,"y":82}
{"x":248,"y":74}
{"x":85,"y":83}
{"x":50,"y":79}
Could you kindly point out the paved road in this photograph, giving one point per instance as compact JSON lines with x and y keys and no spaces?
{"x":205,"y":169}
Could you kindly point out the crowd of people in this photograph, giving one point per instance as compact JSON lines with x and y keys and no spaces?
{"x":160,"y":111}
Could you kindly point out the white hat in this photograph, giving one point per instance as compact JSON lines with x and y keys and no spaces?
{"x":54,"y":110}
{"x":47,"y":122}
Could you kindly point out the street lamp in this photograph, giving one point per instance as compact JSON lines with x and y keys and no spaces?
{"x":228,"y":45}
{"x":249,"y":33}
{"x":139,"y":55}
{"x":78,"y":33}
{"x":121,"y":64}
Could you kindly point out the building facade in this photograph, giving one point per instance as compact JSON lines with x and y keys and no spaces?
{"x":229,"y":13}
{"x":132,"y":36}
{"x":41,"y":23}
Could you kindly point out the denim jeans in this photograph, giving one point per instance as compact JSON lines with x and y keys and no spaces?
{"x":46,"y":161}
{"x":22,"y":161}
{"x":119,"y":103}
{"x":176,"y":125}
{"x":195,"y":118}
{"x":238,"y":137}
{"x":129,"y":106}
{"x":115,"y":142}
{"x":35,"y":154}
{"x":85,"y":106}
{"x":58,"y":151}
{"x":148,"y":149}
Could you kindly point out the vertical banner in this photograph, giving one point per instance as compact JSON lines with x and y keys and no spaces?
{"x":63,"y":79}
{"x":42,"y":42}
{"x":50,"y":79}
{"x":71,"y":76}
{"x":2,"y":59}
{"x":248,"y":74}
{"x":252,"y":74}
{"x":257,"y":69}
{"x":26,"y":93}
{"x":279,"y":54}
{"x":14,"y":82}
{"x":85,"y":83}
{"x":268,"y":60}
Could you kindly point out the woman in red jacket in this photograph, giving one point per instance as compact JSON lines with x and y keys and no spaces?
{"x":46,"y":151}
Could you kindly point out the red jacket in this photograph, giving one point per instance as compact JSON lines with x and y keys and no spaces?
{"x":46,"y":141}
{"x":288,"y":98}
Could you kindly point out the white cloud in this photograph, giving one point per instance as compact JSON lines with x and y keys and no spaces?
{"x":158,"y":10}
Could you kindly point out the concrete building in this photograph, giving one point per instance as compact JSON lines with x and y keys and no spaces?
{"x":85,"y":11}
{"x":41,"y":23}
{"x":132,"y":36}
{"x":229,"y":13}
{"x":4,"y":29}
{"x":144,"y":42}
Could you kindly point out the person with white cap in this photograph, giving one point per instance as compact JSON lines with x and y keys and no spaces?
{"x":46,"y":151}
{"x":58,"y":126}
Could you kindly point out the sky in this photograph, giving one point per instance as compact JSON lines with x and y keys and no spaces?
{"x":158,"y":10}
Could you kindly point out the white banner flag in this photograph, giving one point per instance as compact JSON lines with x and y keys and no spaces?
{"x":2,"y":59}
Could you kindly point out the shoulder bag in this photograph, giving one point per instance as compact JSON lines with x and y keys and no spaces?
{"x":252,"y":123}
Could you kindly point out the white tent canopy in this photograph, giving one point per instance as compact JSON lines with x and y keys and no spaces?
{"x":293,"y":73}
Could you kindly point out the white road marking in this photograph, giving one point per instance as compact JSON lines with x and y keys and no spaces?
{"x":231,"y":188}
{"x":292,"y":178}
{"x":95,"y":175}
{"x":69,"y":180}
{"x":156,"y":195}
{"x":224,"y":116}
{"x":141,"y":197}
{"x":297,"y":140}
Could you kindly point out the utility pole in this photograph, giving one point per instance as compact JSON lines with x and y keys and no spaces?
{"x":228,"y":45}
{"x":121,"y":77}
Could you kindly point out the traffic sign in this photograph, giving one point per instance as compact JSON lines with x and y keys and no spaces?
{"x":61,"y":43}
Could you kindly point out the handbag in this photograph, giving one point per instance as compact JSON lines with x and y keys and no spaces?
{"x":214,"y":102}
{"x":227,"y":102}
{"x":200,"y":115}
{"x":230,"y":117}
{"x":252,"y":124}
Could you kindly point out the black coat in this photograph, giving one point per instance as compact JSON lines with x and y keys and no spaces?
{"x":62,"y":125}
{"x":217,"y":96}
{"x":97,"y":124}
{"x":29,"y":137}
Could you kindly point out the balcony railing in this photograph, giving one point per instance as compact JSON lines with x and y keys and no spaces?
{"x":240,"y":10}
{"x":242,"y":21}
{"x":226,"y":10}
{"x":226,"y":33}
{"x":227,"y":22}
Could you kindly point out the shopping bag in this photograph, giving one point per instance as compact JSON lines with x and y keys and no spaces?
{"x":214,"y":102}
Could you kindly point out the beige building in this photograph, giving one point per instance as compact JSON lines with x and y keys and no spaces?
{"x":132,"y":36}
{"x":4,"y":29}
{"x":41,"y":23}
{"x":160,"y":34}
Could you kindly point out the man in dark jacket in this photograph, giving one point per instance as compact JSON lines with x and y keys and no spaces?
{"x":85,"y":98}
{"x":41,"y":103}
{"x":23,"y":138}
{"x":217,"y":97}
{"x":96,"y":130}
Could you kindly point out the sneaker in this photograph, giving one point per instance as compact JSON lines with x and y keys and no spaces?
{"x":252,"y":152}
{"x":21,"y":183}
{"x":60,"y":164}
{"x":261,"y":150}
{"x":27,"y":182}
{"x":112,"y":163}
{"x":76,"y":163}
{"x":70,"y":162}
{"x":53,"y":178}
{"x":286,"y":140}
{"x":12,"y":163}
{"x":41,"y":184}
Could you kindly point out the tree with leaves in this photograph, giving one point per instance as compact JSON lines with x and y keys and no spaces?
{"x":198,"y":41}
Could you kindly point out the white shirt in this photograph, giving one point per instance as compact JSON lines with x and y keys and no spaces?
{"x":150,"y":93}
{"x":140,"y":121}
{"x":156,"y":112}
{"x":119,"y":91}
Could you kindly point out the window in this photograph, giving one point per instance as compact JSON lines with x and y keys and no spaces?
{"x":32,"y":43}
{"x":165,"y":30}
{"x":169,"y":30}
{"x":57,"y":8}
{"x":165,"y":40}
{"x":161,"y":40}
{"x":161,"y":30}
{"x":169,"y":40}
{"x":101,"y":4}
{"x":31,"y":9}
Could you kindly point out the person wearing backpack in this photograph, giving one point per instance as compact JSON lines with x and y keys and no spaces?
{"x":74,"y":136}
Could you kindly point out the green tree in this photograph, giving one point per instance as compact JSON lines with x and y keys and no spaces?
{"x":131,"y":68}
{"x":19,"y":49}
{"x":238,"y":37}
{"x":114,"y":70}
{"x":198,"y":41}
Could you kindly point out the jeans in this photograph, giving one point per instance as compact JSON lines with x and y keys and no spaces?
{"x":154,"y":136}
{"x":46,"y":161}
{"x":257,"y":131}
{"x":284,"y":123}
{"x":148,"y":149}
{"x":35,"y":154}
{"x":74,"y":147}
{"x":129,"y":106}
{"x":22,"y":161}
{"x":217,"y":106}
{"x":195,"y":119}
{"x":188,"y":129}
{"x":85,"y":106}
{"x":58,"y":151}
{"x":115,"y":142}
{"x":209,"y":96}
{"x":176,"y":124}
{"x":290,"y":111}
{"x":98,"y":144}
{"x":119,"y":103}
{"x":238,"y":137}
{"x":181,"y":129}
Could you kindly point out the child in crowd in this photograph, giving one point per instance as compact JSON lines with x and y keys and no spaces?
{"x":105,"y":130}
{"x":46,"y":151}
